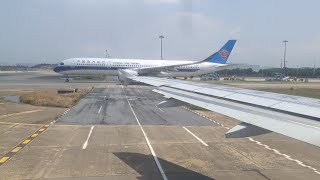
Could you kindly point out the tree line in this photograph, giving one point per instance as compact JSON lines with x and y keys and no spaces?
{"x":296,"y":72}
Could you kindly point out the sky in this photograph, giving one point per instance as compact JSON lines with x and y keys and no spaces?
{"x":49,"y":31}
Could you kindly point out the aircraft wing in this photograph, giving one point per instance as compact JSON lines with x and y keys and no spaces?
{"x":164,"y":68}
{"x":259,"y":111}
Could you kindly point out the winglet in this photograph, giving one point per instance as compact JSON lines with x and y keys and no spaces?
{"x":223,"y":54}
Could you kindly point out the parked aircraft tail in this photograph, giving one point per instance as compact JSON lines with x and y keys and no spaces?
{"x":223,"y":54}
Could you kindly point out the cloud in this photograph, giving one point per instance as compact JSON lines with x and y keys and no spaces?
{"x":235,"y":33}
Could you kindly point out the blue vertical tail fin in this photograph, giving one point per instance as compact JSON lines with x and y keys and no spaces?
{"x":223,"y":54}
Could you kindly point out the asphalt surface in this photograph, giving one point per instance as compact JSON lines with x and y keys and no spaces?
{"x":109,"y":106}
{"x":119,"y":133}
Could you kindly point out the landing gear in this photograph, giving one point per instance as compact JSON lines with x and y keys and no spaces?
{"x":67,"y":79}
{"x":185,"y":78}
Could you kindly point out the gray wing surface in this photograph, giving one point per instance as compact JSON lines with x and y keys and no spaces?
{"x":293,"y":116}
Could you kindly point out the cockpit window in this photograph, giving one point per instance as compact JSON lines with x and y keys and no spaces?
{"x":61,"y":63}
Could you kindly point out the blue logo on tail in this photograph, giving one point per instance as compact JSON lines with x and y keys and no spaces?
{"x":223,"y":54}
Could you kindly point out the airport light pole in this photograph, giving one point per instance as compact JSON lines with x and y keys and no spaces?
{"x":107,"y":55}
{"x":314,"y":70}
{"x":284,"y":57}
{"x":161,"y":37}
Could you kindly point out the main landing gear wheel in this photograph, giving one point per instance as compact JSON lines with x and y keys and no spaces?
{"x":67,"y":80}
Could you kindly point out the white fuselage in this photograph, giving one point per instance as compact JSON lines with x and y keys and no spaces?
{"x":106,"y":66}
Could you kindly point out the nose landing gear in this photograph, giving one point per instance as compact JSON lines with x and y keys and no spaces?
{"x":67,"y":79}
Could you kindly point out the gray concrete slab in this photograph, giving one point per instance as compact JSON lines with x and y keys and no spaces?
{"x":11,"y":135}
{"x":110,"y":106}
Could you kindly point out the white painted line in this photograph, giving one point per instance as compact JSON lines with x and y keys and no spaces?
{"x":205,"y":144}
{"x":147,"y":140}
{"x":160,"y":109}
{"x":265,"y":146}
{"x":100,"y":109}
{"x":284,"y":155}
{"x":85,"y":144}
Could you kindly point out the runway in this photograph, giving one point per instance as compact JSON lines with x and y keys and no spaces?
{"x":118,"y":132}
{"x":109,"y":106}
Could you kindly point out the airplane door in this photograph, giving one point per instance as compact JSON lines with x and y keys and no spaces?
{"x":108,"y":67}
{"x":108,"y":64}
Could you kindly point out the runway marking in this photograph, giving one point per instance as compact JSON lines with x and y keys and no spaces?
{"x":34,"y":135}
{"x":85,"y":144}
{"x":267,"y":147}
{"x":100,"y":109}
{"x":205,"y":144}
{"x":1,"y":103}
{"x":64,"y":113}
{"x":16,"y":123}
{"x":199,"y":114}
{"x":26,"y":141}
{"x":160,"y":109}
{"x":22,"y":144}
{"x":4,"y":159}
{"x":19,"y":113}
{"x":284,"y":155}
{"x":147,"y":139}
{"x":16,"y":149}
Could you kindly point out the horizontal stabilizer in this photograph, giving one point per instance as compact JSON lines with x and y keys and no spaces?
{"x":245,"y":130}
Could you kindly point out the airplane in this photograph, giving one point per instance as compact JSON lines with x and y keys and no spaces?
{"x":157,"y":68}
